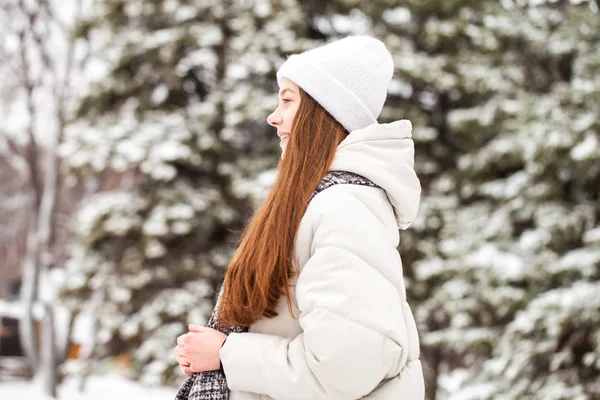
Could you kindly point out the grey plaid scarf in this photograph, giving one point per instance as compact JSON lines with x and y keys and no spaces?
{"x":212,"y":385}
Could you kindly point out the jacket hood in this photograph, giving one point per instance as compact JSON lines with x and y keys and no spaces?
{"x":384,"y":153}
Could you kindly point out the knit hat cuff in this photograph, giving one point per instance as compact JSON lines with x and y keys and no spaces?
{"x":330,"y":93}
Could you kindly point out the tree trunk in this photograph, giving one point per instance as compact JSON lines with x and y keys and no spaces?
{"x":29,"y":295}
{"x":36,"y":37}
{"x":62,"y":348}
{"x":49,"y":352}
{"x":45,"y":233}
{"x":87,"y":352}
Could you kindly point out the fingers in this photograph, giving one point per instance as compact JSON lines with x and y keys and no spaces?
{"x":180,"y":351}
{"x":184,"y":364}
{"x":181,"y":356}
{"x":194,"y":368}
{"x":196,"y":328}
{"x":182,"y":361}
{"x":185,"y":370}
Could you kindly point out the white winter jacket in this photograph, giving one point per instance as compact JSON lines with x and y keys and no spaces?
{"x":352,"y":334}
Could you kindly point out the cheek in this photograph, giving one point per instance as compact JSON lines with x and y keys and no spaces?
{"x":290,"y":114}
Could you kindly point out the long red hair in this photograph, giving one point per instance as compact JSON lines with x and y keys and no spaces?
{"x":259,"y":272}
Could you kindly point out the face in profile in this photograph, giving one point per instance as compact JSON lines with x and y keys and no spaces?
{"x":283,"y":116}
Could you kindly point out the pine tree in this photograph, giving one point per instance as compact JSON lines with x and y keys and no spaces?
{"x":547,"y":194}
{"x":502,"y":263}
{"x":176,"y":102}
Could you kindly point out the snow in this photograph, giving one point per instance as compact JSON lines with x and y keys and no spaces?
{"x":460,"y":337}
{"x":98,"y":387}
{"x":592,"y":236}
{"x":160,"y":94}
{"x":587,"y":149}
{"x":452,"y":381}
{"x":509,"y":266}
{"x":583,"y":260}
{"x":356,"y":23}
{"x":155,"y":225}
{"x":155,"y":249}
{"x":262,"y":8}
{"x":475,"y":392}
{"x":397,"y":16}
{"x":401,"y":88}
{"x":237,"y":71}
{"x":534,"y":239}
{"x":13,"y":309}
{"x":83,"y":328}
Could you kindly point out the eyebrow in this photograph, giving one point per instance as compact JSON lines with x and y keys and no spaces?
{"x":284,"y":90}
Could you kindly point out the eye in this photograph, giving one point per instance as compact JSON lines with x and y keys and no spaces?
{"x":287,"y":100}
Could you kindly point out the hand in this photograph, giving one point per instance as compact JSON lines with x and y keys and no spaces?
{"x":202,"y":348}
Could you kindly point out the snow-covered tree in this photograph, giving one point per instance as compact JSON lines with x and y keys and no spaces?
{"x":176,"y":99}
{"x":37,"y":64}
{"x":503,"y":262}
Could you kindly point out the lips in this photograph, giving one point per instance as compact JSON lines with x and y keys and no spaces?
{"x":283,"y":135}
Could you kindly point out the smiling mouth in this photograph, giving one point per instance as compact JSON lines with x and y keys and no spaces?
{"x":284,"y":137}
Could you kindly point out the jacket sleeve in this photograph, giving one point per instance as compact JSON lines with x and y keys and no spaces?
{"x":350,"y":314}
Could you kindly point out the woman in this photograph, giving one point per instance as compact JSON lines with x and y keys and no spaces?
{"x":317,"y":278}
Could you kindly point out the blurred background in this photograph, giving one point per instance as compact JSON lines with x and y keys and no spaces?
{"x":134,"y":146}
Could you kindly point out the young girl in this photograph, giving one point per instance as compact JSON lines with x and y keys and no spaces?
{"x":314,"y":305}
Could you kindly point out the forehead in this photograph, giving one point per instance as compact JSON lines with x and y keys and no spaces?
{"x":288,"y":86}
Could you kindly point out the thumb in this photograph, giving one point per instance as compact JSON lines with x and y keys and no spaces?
{"x":196,"y":328}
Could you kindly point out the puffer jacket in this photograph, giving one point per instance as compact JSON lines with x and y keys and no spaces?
{"x":352,"y":334}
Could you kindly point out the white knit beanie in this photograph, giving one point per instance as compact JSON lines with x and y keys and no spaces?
{"x":348,"y":77}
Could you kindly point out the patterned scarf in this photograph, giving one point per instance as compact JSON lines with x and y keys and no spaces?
{"x":212,"y":385}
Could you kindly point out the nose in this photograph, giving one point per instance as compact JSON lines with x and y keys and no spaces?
{"x":274,"y":119}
